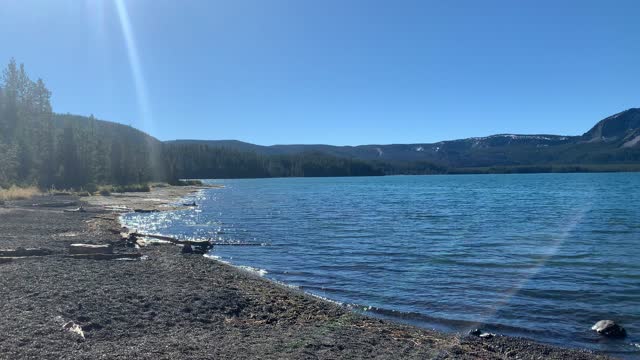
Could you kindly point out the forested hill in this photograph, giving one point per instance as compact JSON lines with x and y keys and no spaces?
{"x":39,"y":147}
{"x":612,"y":141}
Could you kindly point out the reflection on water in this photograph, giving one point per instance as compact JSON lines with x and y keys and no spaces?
{"x":543,"y":256}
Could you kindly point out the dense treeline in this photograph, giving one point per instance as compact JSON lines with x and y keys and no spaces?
{"x":539,"y":169}
{"x":107,"y":153}
{"x":202,"y":161}
{"x":26,"y":138}
{"x":38,"y":147}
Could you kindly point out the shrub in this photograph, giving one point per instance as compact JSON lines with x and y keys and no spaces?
{"x":187,"y":183}
{"x":92,"y":188}
{"x":106,"y":190}
{"x":18,"y":193}
{"x":131,"y":188}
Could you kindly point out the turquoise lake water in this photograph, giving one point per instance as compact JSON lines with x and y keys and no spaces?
{"x":543,"y":256}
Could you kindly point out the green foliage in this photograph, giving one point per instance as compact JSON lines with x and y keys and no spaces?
{"x":186,"y":183}
{"x":131,"y":188}
{"x":90,"y":188}
{"x":38,"y":147}
{"x":203,"y":162}
{"x":555,"y":168}
{"x":106,"y":190}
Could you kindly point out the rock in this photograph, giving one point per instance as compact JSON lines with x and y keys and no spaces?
{"x":475,"y":332}
{"x":609,"y":328}
{"x":74,"y":328}
{"x":187,"y":249}
{"x":90,"y":249}
{"x":202,"y":248}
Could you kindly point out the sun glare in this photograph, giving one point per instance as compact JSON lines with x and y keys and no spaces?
{"x":136,"y":66}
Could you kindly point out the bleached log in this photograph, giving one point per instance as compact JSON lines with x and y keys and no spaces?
{"x":90,"y":249}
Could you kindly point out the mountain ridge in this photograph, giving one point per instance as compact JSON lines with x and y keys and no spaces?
{"x":615,"y":135}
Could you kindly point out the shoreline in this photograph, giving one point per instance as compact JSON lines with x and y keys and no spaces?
{"x":174,"y":305}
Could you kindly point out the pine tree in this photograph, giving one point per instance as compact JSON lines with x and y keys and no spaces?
{"x":68,"y":170}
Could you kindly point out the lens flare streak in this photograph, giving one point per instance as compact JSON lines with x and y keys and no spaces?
{"x":136,"y":67}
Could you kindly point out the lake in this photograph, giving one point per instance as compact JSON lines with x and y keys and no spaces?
{"x":543,"y":255}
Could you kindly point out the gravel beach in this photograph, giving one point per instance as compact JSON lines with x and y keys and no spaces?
{"x":169,"y":305}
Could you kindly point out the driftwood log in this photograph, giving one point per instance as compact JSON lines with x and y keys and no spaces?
{"x":106,"y":256}
{"x":172,"y":239}
{"x":57,"y":204}
{"x":90,"y":249}
{"x":146,"y":211}
{"x":21,"y":252}
{"x":191,"y":242}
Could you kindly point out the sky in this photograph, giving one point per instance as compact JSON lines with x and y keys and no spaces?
{"x":342,"y":72}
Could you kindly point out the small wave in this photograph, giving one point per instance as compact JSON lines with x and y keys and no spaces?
{"x":478,"y":264}
{"x":259,"y":272}
{"x":291,"y":286}
{"x":326,"y":299}
{"x":217,"y":258}
{"x":250,"y":269}
{"x":448,"y":324}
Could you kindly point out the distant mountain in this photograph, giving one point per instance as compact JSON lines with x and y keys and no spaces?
{"x":621,"y":126}
{"x":615,"y":139}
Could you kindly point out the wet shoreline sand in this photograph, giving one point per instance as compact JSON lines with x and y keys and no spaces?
{"x":173,"y":305}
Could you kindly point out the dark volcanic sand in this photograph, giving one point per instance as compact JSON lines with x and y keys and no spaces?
{"x":175,"y":306}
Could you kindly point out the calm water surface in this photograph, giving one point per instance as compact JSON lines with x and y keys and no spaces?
{"x":543,"y":256}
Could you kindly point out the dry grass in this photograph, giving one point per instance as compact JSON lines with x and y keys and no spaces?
{"x":18,"y":193}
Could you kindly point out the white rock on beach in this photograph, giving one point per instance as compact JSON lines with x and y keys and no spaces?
{"x":74,"y":328}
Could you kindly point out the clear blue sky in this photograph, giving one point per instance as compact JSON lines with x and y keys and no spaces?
{"x":332,"y":71}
